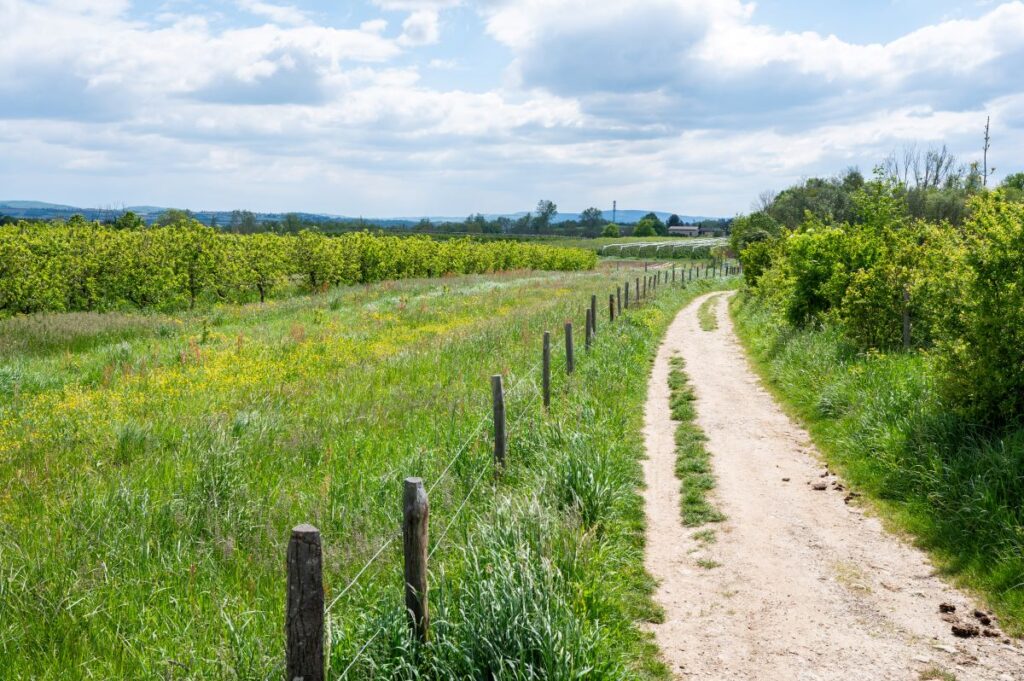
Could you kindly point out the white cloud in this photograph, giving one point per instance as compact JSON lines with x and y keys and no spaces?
{"x":599,"y":104}
{"x":420,"y":28}
{"x":279,"y":14}
{"x":416,"y":5}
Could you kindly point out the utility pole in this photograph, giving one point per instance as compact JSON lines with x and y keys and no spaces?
{"x":615,"y":206}
{"x":984,"y":161}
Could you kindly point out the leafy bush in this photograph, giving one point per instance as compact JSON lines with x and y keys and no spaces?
{"x":982,"y":344}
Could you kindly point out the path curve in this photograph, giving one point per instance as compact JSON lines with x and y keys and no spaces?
{"x":808,"y":587}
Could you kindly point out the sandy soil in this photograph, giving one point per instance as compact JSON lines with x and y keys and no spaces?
{"x":807,"y":586}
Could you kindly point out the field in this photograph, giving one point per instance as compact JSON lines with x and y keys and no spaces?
{"x":690,"y":248}
{"x":155,"y":464}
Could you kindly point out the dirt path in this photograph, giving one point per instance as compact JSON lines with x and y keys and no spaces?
{"x":807,"y":586}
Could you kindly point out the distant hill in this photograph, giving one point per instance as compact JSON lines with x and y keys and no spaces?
{"x":41,"y":210}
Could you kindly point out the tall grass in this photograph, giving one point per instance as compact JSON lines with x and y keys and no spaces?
{"x":880,"y":418}
{"x":150,"y":484}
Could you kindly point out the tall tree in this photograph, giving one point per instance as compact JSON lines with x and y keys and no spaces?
{"x":173,"y":216}
{"x":546,"y":211}
{"x":592,"y":219}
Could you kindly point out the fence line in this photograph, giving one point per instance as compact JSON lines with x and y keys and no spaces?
{"x":528,"y":379}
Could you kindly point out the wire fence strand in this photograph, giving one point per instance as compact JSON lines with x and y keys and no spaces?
{"x":344,"y":673}
{"x":458,"y":511}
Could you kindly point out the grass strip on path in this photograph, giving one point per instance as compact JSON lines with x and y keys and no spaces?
{"x":693,"y":462}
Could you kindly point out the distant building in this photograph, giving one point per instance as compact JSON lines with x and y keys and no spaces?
{"x":684,"y":230}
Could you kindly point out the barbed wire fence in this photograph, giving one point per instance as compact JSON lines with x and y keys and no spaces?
{"x":305,"y":610}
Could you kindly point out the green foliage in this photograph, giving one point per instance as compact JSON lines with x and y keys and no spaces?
{"x":129,"y":220}
{"x":644,"y":228}
{"x":753,"y":228}
{"x":756,"y":258}
{"x":982,"y":344}
{"x":81,"y":266}
{"x":650,"y":225}
{"x":610,"y":231}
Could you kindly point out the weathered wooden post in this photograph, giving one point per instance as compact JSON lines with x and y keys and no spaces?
{"x":673,"y":273}
{"x":593,"y":314}
{"x":618,"y":296}
{"x":570,"y":364}
{"x":611,"y":307}
{"x":415,"y":534}
{"x":627,"y":295}
{"x":304,"y":616}
{"x":638,"y":296}
{"x":644,"y":294}
{"x":589,"y":336}
{"x":498,"y":396}
{"x":546,"y":363}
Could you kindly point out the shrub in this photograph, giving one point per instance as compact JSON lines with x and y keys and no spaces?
{"x":981,"y":348}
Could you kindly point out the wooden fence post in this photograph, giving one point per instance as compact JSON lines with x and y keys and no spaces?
{"x":569,"y":359}
{"x":498,"y":396}
{"x":638,"y":290}
{"x":618,"y":295}
{"x":589,"y":334}
{"x":627,"y":295}
{"x":304,"y":617}
{"x":415,"y":534}
{"x":644,"y":294}
{"x":611,"y":307}
{"x":593,"y":314}
{"x":546,"y":378}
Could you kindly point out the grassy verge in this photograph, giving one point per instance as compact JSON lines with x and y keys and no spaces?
{"x":151,"y":476}
{"x":878,"y":418}
{"x":693,"y":462}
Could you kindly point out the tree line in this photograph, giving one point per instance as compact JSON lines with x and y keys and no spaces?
{"x":84,"y":266}
{"x":540,"y":222}
{"x":922,"y":256}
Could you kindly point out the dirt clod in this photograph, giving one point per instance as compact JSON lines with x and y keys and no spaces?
{"x":947,"y":607}
{"x":820,"y":486}
{"x":965,"y":630}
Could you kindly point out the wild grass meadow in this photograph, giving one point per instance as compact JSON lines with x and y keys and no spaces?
{"x":154,"y":465}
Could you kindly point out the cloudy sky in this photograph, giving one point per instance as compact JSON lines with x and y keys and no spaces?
{"x":446,"y":107}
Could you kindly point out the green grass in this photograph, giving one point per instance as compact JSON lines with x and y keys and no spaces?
{"x":880,"y":421}
{"x":705,"y":536}
{"x":934,"y":673}
{"x":693,"y":462}
{"x":708,"y":564}
{"x":707,"y":313}
{"x":151,"y":476}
